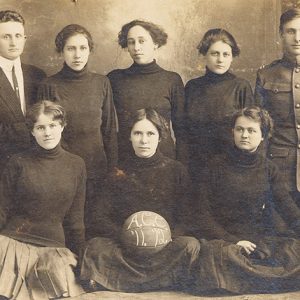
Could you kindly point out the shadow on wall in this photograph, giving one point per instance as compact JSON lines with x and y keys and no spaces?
{"x":251,"y":22}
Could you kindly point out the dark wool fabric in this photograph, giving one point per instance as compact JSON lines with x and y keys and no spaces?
{"x":42,"y":195}
{"x":210,"y":103}
{"x":237,"y":195}
{"x":234,"y":205}
{"x":91,"y":129}
{"x":14,"y":134}
{"x":142,"y":86}
{"x":158,"y":184}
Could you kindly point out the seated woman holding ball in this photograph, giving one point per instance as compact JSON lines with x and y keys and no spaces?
{"x":156,"y":187}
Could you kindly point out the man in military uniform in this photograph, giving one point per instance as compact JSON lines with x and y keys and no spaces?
{"x":278,"y":91}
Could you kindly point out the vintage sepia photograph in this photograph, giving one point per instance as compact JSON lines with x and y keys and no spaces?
{"x":149,"y":149}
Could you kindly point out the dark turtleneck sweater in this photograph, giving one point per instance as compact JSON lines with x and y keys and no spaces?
{"x":42,"y":196}
{"x":142,"y":86}
{"x":210,"y":101}
{"x":234,"y":202}
{"x":91,"y":129}
{"x":158,"y":184}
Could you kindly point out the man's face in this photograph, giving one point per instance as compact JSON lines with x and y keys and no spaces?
{"x":12,"y":39}
{"x":290,"y":36}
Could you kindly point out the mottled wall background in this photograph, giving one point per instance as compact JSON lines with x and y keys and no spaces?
{"x":254,"y":23}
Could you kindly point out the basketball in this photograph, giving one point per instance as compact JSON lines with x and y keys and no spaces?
{"x":145,"y":233}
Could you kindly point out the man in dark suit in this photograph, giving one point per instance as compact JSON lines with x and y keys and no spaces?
{"x":18,"y":86}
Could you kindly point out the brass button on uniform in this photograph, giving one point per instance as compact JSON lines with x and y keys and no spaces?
{"x":297,"y":70}
{"x":275,"y":91}
{"x":298,"y":126}
{"x":297,"y":85}
{"x":297,"y":105}
{"x":299,"y":146}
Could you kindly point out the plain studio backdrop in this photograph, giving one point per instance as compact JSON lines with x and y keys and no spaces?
{"x":254,"y":24}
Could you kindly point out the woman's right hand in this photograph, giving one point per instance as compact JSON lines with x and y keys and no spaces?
{"x":247,"y":246}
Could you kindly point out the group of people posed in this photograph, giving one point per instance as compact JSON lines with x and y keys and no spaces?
{"x":80,"y":152}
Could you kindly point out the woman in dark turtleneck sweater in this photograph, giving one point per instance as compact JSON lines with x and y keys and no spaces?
{"x":146,"y":84}
{"x":146,"y":181}
{"x":42,"y":195}
{"x":87,"y":98}
{"x":234,"y":206}
{"x":212,"y":98}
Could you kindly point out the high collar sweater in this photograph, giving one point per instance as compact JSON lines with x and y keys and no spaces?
{"x":42,"y":196}
{"x":91,"y":129}
{"x":210,"y":101}
{"x":157,"y":184}
{"x":141,"y":86}
{"x":236,"y":197}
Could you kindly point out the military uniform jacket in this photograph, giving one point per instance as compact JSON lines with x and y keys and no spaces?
{"x":278,"y":91}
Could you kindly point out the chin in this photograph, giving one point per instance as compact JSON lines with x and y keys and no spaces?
{"x":220,"y":72}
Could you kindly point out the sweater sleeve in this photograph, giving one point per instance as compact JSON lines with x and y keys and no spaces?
{"x":109,"y":126}
{"x":206,"y":225}
{"x":178,"y":117}
{"x":7,"y":190}
{"x":101,"y":219}
{"x":47,"y":91}
{"x":245,"y":95}
{"x":284,"y":204}
{"x":259,"y":93}
{"x":74,"y":219}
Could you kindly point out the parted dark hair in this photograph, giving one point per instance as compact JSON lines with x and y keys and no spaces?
{"x":159,"y":36}
{"x":11,"y":15}
{"x":258,"y":115}
{"x":46,"y":107}
{"x":215,"y":35}
{"x":154,"y":117}
{"x":71,"y":30}
{"x":287,"y":16}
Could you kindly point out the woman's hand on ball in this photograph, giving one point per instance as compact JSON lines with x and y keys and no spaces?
{"x":249,"y":247}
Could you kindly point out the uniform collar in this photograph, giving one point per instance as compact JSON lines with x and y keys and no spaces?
{"x":290,"y":61}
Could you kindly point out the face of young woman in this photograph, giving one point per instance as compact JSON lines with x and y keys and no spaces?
{"x":144,"y":138}
{"x":247,"y":134}
{"x":47,"y":132}
{"x":140,"y":45}
{"x":219,"y":57}
{"x":76,"y":52}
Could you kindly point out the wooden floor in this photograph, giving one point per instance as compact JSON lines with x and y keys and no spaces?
{"x":178,"y":296}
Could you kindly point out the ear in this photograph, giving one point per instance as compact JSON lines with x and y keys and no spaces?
{"x":155,"y":46}
{"x":32,"y":133}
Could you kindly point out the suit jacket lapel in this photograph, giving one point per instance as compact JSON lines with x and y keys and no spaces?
{"x":9,"y":96}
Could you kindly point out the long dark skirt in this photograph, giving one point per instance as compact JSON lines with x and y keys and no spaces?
{"x":109,"y":265}
{"x":274,"y":267}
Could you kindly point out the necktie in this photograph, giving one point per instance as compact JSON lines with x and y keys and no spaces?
{"x":15,"y":82}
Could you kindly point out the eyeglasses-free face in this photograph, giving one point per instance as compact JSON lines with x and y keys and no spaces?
{"x":12,"y":40}
{"x":144,"y":138}
{"x":247,"y":134}
{"x":47,"y":132}
{"x":219,"y":57}
{"x":140,"y":45}
{"x":76,"y":52}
